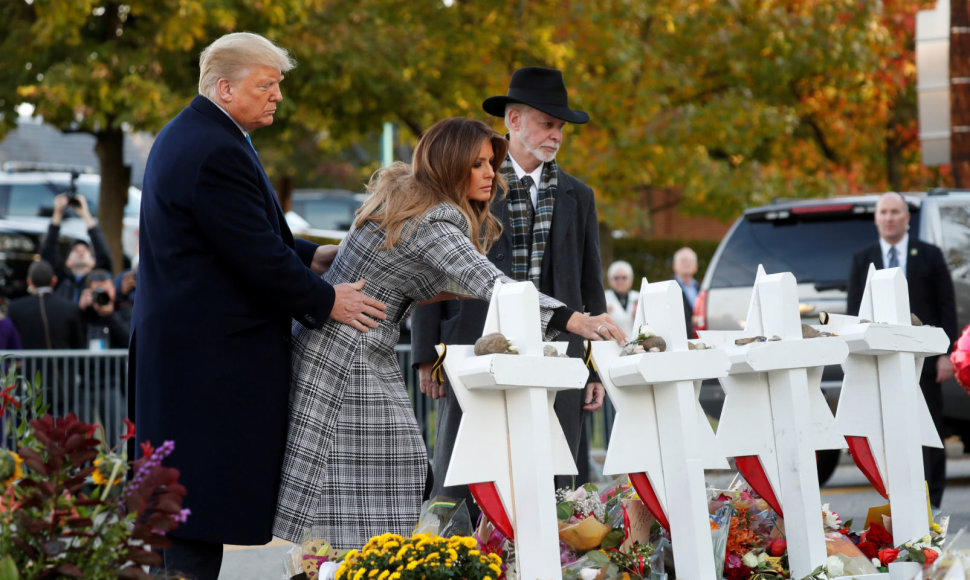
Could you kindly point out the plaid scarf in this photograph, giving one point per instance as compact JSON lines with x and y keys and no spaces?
{"x":530,"y":229}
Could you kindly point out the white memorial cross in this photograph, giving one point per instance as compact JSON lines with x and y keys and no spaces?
{"x":881,"y":401}
{"x":509,"y":433}
{"x":660,"y":429}
{"x":774,"y":411}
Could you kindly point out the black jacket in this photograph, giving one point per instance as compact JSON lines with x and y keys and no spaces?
{"x":63,"y":322}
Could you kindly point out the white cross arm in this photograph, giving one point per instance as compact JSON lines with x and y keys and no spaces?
{"x":886,"y":339}
{"x":505,"y":371}
{"x":789,"y":354}
{"x":668,"y":367}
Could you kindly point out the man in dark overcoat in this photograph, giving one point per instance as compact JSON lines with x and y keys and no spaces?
{"x":931,"y":299}
{"x":550,"y":236}
{"x":220,"y":280}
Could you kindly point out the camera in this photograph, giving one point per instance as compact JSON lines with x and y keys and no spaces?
{"x":101,"y":297}
{"x":72,"y":200}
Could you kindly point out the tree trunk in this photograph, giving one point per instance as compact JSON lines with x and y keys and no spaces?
{"x":115,"y":180}
{"x":960,"y":92}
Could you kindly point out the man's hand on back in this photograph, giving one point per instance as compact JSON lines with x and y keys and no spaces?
{"x":355,"y":309}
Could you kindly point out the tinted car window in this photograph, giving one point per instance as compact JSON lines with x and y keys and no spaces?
{"x":955,"y":222}
{"x":816,"y":248}
{"x":335,"y":213}
{"x":37,"y":199}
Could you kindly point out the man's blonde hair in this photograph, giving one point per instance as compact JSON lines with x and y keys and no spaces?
{"x":231,"y":56}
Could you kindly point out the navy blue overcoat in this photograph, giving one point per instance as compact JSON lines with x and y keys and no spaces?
{"x":220,"y":279}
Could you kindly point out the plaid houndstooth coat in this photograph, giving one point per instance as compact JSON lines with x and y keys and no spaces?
{"x":355,"y":462}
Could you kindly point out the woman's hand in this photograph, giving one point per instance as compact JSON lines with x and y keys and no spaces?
{"x":600,"y":327}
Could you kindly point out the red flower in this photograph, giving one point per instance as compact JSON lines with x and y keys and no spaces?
{"x":930,"y":555}
{"x":878,"y":536}
{"x":887,"y":555}
{"x":147,"y":449}
{"x":868,"y":548}
{"x":777,"y":547}
{"x":131,"y":430}
{"x":6,"y":397}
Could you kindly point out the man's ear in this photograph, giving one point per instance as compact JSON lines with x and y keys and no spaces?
{"x":53,"y":281}
{"x":224,"y":87}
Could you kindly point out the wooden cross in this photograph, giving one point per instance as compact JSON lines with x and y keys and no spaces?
{"x":661,"y":436}
{"x":882,"y":412}
{"x":775,"y":417}
{"x":509,"y":433}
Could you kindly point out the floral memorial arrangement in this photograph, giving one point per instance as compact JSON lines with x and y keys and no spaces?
{"x":393,"y":557}
{"x":66,"y":509}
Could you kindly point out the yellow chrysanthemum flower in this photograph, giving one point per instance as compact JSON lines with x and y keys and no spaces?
{"x":469,"y":542}
{"x":496,"y":569}
{"x":360,"y":574}
{"x":11,"y":469}
{"x":101,"y":474}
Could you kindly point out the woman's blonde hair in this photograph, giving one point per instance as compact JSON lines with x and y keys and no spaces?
{"x":440,"y":171}
{"x":231,"y":56}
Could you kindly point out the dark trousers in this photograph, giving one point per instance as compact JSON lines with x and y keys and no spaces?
{"x":934,"y":459}
{"x":195,"y":559}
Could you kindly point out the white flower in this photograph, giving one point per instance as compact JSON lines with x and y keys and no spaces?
{"x":834,"y":567}
{"x":831,"y":520}
{"x":576,"y":495}
{"x":588,"y":573}
{"x":328,"y":570}
{"x":750,"y":560}
{"x":646,"y":332}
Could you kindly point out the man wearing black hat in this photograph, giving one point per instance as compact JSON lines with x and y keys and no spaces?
{"x":80,"y":259}
{"x":550,"y":236}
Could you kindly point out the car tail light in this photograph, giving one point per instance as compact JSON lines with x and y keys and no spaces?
{"x":700,"y":312}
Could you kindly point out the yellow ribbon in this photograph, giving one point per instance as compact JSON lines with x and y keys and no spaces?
{"x":588,"y":355}
{"x":437,"y":369}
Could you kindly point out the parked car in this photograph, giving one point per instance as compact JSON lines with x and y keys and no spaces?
{"x":324,"y":213}
{"x":815,"y":240}
{"x":26,"y":204}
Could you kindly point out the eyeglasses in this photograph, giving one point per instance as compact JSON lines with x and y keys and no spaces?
{"x":620,"y":278}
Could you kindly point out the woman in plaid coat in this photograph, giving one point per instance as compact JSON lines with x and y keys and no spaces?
{"x":355,"y":462}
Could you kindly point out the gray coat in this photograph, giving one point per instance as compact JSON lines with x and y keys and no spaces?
{"x":571,"y":272}
{"x":355,"y":462}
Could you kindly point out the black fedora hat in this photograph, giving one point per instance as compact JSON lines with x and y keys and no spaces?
{"x":540,"y":88}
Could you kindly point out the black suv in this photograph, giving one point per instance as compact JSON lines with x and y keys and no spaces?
{"x":815,"y":240}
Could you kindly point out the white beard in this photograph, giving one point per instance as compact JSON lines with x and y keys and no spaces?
{"x":540,"y":154}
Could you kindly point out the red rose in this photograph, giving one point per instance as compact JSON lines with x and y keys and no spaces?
{"x":777,"y":547}
{"x":930,"y":555}
{"x":887,"y":555}
{"x":869,"y":549}
{"x":878,"y":536}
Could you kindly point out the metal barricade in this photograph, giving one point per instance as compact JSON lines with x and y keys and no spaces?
{"x":92,"y":384}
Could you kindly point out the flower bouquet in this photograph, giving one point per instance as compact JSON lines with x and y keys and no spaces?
{"x":421,"y":556}
{"x":65,"y":509}
{"x":599,"y":538}
{"x":746,"y":536}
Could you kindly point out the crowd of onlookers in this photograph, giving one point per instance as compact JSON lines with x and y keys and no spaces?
{"x":74,"y":302}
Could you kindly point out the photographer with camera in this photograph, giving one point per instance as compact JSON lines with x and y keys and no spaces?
{"x":80,"y":259}
{"x":106,"y":327}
